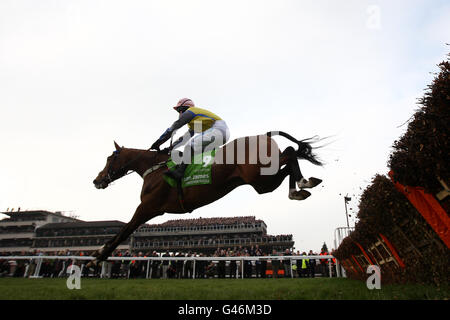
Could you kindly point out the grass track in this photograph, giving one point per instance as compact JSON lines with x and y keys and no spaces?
{"x":213,"y":289}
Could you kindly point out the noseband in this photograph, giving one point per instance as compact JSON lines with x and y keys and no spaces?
{"x":113,"y":175}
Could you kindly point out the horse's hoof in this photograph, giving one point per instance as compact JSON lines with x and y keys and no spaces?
{"x":311,"y":183}
{"x":93,"y":263}
{"x":299,"y":195}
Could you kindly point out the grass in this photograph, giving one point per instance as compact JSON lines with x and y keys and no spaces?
{"x":214,"y":289}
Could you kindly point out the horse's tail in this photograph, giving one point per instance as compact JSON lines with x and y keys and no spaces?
{"x":304,"y":147}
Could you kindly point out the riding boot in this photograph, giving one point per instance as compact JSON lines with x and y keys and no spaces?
{"x":178,"y":173}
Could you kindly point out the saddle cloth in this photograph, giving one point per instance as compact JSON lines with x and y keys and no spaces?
{"x":196,"y":173}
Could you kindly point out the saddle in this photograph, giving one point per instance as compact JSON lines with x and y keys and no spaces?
{"x":198,"y":172}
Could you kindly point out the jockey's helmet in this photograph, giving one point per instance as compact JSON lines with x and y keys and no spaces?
{"x":184,"y":103}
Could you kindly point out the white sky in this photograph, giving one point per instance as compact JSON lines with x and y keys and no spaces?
{"x":76,"y":75}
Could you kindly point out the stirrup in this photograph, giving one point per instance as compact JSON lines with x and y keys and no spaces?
{"x":311,"y":183}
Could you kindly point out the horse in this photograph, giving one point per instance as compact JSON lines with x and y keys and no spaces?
{"x":245,"y":168}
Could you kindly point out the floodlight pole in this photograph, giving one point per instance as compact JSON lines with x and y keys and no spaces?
{"x":346,"y":213}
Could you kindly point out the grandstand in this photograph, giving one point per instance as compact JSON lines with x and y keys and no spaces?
{"x":17,"y":231}
{"x":86,"y":236}
{"x":44,"y":231}
{"x":206,"y":235}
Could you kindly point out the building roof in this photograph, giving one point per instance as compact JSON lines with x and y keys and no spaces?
{"x":83,"y":224}
{"x":36,"y":213}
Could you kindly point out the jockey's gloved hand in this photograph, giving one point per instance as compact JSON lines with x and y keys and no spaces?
{"x":155,"y":146}
{"x":165,"y":150}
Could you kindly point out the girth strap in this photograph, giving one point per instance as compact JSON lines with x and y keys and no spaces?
{"x":179,"y":188}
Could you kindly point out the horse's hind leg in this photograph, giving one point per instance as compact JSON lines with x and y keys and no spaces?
{"x":302,"y":182}
{"x":310,"y":183}
{"x":266,"y":184}
{"x":295,"y":176}
{"x":293,"y":193}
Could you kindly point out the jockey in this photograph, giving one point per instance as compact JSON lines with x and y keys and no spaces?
{"x":211,"y":129}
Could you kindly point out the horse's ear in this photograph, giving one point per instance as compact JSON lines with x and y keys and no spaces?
{"x":117,"y":146}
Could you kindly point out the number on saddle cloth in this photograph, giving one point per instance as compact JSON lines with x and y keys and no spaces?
{"x":196,"y":173}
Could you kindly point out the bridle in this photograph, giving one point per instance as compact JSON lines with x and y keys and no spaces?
{"x":112,"y":175}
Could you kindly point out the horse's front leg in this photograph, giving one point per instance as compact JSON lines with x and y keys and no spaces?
{"x":144,"y":212}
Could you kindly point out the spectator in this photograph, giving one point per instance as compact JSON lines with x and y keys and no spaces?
{"x":298,"y":263}
{"x":263,"y":265}
{"x":179,"y":266}
{"x":312,"y":265}
{"x":258,"y":263}
{"x":140,"y":266}
{"x":287,"y":263}
{"x":323,"y":263}
{"x":222,"y":265}
{"x":4,"y":268}
{"x":211,"y":269}
{"x":275,"y":264}
{"x":115,"y":268}
{"x":188,"y":266}
{"x":165,"y":265}
{"x":247,"y":266}
{"x":155,"y":266}
{"x":171,"y":271}
{"x":200,"y":268}
{"x":233,"y":265}
{"x":126,"y":264}
{"x":305,"y":263}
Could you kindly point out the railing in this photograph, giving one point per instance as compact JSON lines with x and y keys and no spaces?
{"x":339,"y":235}
{"x":144,"y":233}
{"x":74,"y":259}
{"x":197,"y":229}
{"x":142,"y":244}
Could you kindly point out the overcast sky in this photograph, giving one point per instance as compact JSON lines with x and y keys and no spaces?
{"x":77,"y":75}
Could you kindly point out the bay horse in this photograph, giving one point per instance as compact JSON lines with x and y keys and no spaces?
{"x":158,"y":197}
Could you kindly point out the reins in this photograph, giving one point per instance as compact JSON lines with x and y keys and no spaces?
{"x":147,"y":172}
{"x":110,"y":176}
{"x":135,"y":159}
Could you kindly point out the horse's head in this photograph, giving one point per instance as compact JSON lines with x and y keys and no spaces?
{"x":114,"y":169}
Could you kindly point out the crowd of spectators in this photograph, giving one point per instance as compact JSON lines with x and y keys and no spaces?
{"x":207,"y":222}
{"x":172,"y":268}
{"x":51,"y":268}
